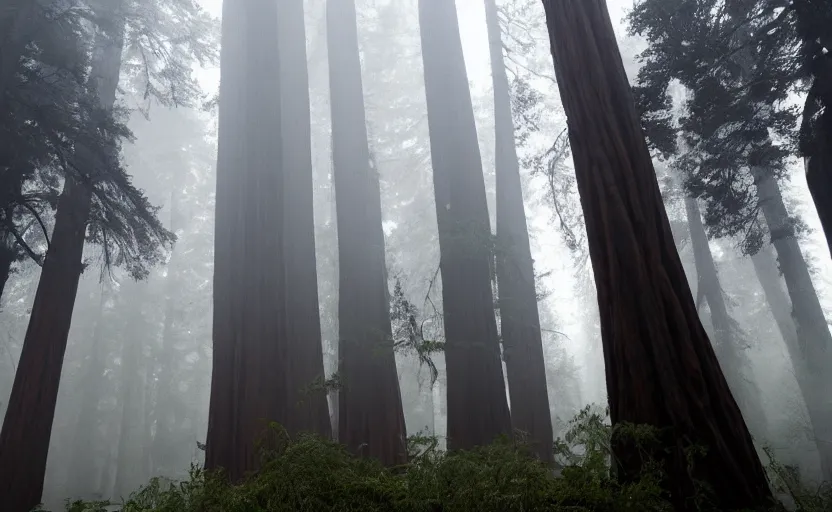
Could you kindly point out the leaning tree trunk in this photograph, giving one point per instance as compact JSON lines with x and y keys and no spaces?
{"x":516,"y":292}
{"x":728,"y":334}
{"x":310,"y":412}
{"x":815,"y":341}
{"x":476,"y":395}
{"x":661,"y":369}
{"x":765,"y":268}
{"x":250,"y":363}
{"x":812,"y":329}
{"x":370,"y":415}
{"x":24,"y":440}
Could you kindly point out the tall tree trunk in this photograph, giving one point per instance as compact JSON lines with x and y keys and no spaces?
{"x":81,"y":475}
{"x":779,"y":304}
{"x":660,"y":366}
{"x":129,"y":466}
{"x":477,"y":407}
{"x":813,"y":334}
{"x":27,"y":428}
{"x":166,"y":448}
{"x":310,"y":412}
{"x":727,"y":332}
{"x":250,"y":361}
{"x":517,"y":295}
{"x":765,"y":267}
{"x":371,"y":419}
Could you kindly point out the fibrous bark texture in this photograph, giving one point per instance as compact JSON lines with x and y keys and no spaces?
{"x":516,"y":292}
{"x":370,"y":416}
{"x":27,"y":428}
{"x":477,"y":408}
{"x":727,"y":334}
{"x":661,"y":369}
{"x":250,"y":361}
{"x":310,"y":411}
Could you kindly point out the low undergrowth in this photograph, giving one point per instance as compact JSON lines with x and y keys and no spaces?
{"x":317,"y":475}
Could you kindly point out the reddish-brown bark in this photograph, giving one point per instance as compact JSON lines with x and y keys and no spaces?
{"x":27,"y":427}
{"x":477,"y":407}
{"x":516,"y":290}
{"x":661,"y":369}
{"x":310,"y":413}
{"x":251,"y":363}
{"x":370,"y":415}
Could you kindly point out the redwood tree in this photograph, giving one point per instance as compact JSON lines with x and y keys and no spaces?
{"x":370,"y":416}
{"x":310,"y":411}
{"x":516,"y":292}
{"x":27,"y":427}
{"x":661,"y":369}
{"x":477,"y":407}
{"x":250,"y":361}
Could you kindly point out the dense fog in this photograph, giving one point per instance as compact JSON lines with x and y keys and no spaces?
{"x":136,"y":380}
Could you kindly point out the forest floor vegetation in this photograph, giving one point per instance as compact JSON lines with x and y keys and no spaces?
{"x":317,"y":475}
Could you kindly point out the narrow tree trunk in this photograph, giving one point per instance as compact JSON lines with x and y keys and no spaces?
{"x":517,"y":295}
{"x":165,"y":448}
{"x":727,"y":332}
{"x":660,"y":366}
{"x":81,"y":482}
{"x":371,"y":419}
{"x":476,"y":398}
{"x":765,"y":267}
{"x":311,"y":412}
{"x":129,"y":467}
{"x":24,"y":441}
{"x":813,"y":334}
{"x":250,"y":362}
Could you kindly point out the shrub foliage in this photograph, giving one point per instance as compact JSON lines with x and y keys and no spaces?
{"x":315,"y":475}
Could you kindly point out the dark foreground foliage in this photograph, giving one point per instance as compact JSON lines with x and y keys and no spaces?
{"x":317,"y":475}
